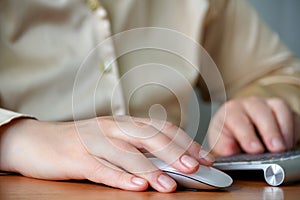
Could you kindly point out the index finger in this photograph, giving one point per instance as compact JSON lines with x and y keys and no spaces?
{"x":182,"y":139}
{"x":284,"y":117}
{"x":263,"y":118}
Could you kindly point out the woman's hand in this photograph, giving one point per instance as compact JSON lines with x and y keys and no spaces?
{"x":253,"y":125}
{"x":104,"y":150}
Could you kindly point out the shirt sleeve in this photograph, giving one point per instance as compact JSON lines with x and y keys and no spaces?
{"x":250,"y":57}
{"x":7,"y":116}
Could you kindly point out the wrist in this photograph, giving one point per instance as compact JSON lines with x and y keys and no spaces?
{"x":10,"y":135}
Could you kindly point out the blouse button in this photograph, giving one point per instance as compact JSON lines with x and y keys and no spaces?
{"x":105,"y":66}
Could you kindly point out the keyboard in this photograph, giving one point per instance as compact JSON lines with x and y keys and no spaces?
{"x":278,"y":168}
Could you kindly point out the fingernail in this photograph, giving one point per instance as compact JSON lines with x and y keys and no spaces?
{"x":277,"y":143}
{"x":206,"y":156}
{"x":189,"y":161}
{"x":138,"y":181}
{"x":166,"y":181}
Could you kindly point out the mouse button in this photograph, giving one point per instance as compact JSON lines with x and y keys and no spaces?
{"x":213,"y":177}
{"x":187,"y":182}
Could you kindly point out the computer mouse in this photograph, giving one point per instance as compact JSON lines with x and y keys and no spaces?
{"x":205,"y":178}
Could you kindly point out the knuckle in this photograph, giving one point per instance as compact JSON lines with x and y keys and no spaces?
{"x":232,"y":104}
{"x":253,"y":99}
{"x":99,"y":174}
{"x":101,"y":119}
{"x":122,"y":179}
{"x":169,"y":126}
{"x":141,"y":125}
{"x":279,"y":102}
{"x":104,"y":121}
{"x":230,"y":108}
{"x":173,"y":150}
{"x":225,"y":149}
{"x":252,"y":102}
{"x":96,"y":173}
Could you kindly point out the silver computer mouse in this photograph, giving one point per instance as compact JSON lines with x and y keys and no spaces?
{"x":205,"y":178}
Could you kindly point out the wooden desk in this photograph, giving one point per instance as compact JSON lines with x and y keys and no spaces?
{"x":18,"y":187}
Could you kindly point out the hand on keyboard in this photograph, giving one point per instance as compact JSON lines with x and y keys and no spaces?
{"x":253,"y":125}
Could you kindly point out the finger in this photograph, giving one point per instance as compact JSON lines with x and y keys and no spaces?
{"x":101,"y":171}
{"x":136,"y":163}
{"x":166,"y":149}
{"x":138,"y":170}
{"x":142,"y":135}
{"x":226,"y":145}
{"x":124,"y":155}
{"x":284,"y":118}
{"x":181,"y":138}
{"x":263,"y":118}
{"x":296,"y":129}
{"x":241,"y":128}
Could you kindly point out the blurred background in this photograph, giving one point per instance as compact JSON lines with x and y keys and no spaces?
{"x":283,"y":17}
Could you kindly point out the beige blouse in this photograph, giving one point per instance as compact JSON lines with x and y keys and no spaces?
{"x":58,"y":62}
